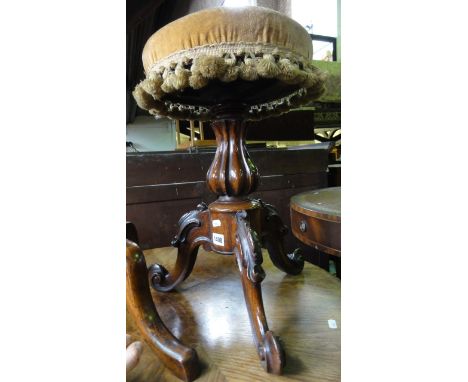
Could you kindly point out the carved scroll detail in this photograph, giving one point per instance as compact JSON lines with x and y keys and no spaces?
{"x":186,"y":223}
{"x":193,"y":231}
{"x":272,"y":239}
{"x":251,"y":248}
{"x":273,"y":217}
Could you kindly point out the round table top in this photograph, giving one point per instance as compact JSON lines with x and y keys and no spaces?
{"x":323,"y":203}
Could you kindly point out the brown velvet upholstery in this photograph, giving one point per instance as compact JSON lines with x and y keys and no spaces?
{"x":224,"y":25}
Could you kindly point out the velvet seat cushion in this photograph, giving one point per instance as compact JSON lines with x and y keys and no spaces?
{"x":224,"y":48}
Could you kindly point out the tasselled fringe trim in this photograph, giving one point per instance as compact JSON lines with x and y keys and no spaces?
{"x":195,"y":68}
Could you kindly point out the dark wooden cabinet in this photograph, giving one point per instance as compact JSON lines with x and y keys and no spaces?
{"x":162,"y":186}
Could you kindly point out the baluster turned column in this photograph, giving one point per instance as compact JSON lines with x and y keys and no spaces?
{"x":232,"y":173}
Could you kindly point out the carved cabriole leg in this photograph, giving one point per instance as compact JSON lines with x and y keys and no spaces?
{"x":193,"y":232}
{"x":249,"y":259}
{"x":273,"y":231}
{"x":181,"y":360}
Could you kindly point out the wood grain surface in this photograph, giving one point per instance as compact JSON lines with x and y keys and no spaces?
{"x":207,"y":312}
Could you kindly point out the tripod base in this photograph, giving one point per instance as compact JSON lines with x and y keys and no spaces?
{"x":239,"y":227}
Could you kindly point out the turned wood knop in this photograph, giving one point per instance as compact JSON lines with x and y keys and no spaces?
{"x":232,"y":172}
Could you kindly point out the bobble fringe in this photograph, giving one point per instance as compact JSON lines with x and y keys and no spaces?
{"x":267,"y":67}
{"x":248,"y":69}
{"x":227,"y":67}
{"x":181,"y":77}
{"x":210,"y":67}
{"x":153,"y":87}
{"x":231,"y":72}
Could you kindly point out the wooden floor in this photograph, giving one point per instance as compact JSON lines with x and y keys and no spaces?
{"x":208,"y":313}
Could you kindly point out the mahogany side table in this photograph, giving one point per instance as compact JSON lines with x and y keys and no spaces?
{"x":316,"y":220}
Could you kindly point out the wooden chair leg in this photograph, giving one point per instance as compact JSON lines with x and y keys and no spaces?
{"x":249,"y":259}
{"x":181,"y":360}
{"x":192,"y":233}
{"x":273,"y":232}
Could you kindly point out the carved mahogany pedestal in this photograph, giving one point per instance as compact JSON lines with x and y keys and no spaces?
{"x":234,"y":225}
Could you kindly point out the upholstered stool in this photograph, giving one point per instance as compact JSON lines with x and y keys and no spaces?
{"x":228,"y":65}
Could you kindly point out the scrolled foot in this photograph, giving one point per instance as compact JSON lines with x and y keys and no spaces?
{"x":157,"y":275}
{"x":296,"y":256}
{"x":274,"y":357}
{"x":163,"y":280}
